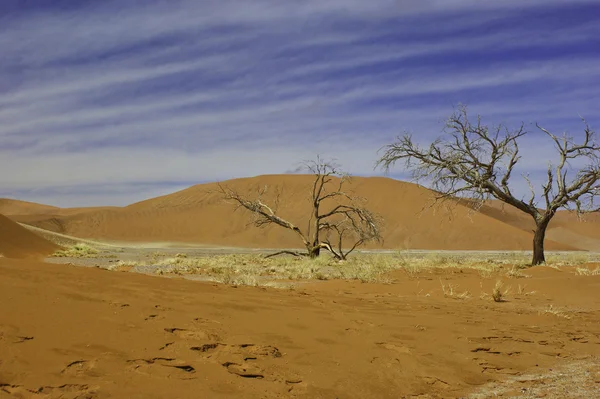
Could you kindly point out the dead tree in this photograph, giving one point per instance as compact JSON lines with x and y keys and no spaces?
{"x":335,"y":215}
{"x":479,"y":162}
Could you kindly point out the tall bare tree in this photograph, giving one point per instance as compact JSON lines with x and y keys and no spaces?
{"x":479,"y":162}
{"x":335,"y":216}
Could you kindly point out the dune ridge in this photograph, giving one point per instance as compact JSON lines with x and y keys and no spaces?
{"x":198,"y":215}
{"x":18,"y":242}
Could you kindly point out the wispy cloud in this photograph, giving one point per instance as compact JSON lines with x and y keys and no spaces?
{"x":112,"y":102}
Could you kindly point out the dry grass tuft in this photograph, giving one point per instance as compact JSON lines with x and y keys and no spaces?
{"x":79,"y":250}
{"x":556,"y":312}
{"x":568,"y":259}
{"x":584,"y":271}
{"x":498,"y":295}
{"x":515,"y":272}
{"x":522,"y":290}
{"x":451,"y":291}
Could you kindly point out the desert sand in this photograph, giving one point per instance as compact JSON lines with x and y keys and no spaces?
{"x":18,"y":242}
{"x":197,"y":215}
{"x":69,"y":331}
{"x":74,"y":332}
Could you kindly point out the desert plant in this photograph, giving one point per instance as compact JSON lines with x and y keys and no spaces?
{"x":584,"y":271}
{"x":450,"y":291}
{"x":522,"y":290}
{"x":550,"y":309}
{"x":79,"y":250}
{"x":345,"y":217}
{"x":497,"y":294}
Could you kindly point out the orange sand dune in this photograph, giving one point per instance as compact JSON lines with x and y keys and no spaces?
{"x":566,"y":227}
{"x":197,"y":215}
{"x":16,"y":207}
{"x":18,"y":242}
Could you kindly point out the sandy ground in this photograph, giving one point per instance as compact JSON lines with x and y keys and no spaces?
{"x":74,"y":332}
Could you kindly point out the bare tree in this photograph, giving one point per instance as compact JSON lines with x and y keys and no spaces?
{"x":478,"y":162}
{"x":335,"y":216}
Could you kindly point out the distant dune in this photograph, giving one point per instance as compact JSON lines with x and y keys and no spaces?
{"x":18,"y":242}
{"x":17,"y":207}
{"x":198,"y":215}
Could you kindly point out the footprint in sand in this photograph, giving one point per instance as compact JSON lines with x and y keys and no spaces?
{"x":62,"y":391}
{"x":192,"y":334}
{"x":79,"y":368}
{"x":244,"y":370}
{"x":153,"y":317}
{"x":162,"y":367}
{"x":21,"y":339}
{"x":244,"y":360}
{"x":393,"y":347}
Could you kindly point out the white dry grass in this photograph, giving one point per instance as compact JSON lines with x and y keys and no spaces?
{"x":551,"y":310}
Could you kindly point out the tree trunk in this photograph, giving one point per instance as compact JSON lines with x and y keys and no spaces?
{"x":314,"y":252}
{"x":538,"y":243}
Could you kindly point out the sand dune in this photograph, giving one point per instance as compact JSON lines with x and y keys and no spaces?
{"x":566,"y":227}
{"x":16,"y":207}
{"x":74,"y":332}
{"x":18,"y":242}
{"x":197,"y":215}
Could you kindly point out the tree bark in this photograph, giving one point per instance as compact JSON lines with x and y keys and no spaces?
{"x":538,"y":243}
{"x":315,"y":252}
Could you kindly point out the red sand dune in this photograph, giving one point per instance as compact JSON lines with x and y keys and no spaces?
{"x":197,"y":215}
{"x":18,"y":242}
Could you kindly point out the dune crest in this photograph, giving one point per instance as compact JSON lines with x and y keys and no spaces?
{"x":198,"y":215}
{"x":18,"y":242}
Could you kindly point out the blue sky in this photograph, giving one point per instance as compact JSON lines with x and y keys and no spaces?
{"x":111,"y":102}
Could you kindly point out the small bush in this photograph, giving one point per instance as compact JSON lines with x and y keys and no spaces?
{"x":497,"y":294}
{"x":79,"y":250}
{"x":584,"y":271}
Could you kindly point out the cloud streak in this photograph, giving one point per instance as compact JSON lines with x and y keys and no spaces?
{"x":109,"y":95}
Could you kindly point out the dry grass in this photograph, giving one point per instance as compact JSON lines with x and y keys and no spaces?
{"x":499,"y":293}
{"x":79,"y":250}
{"x":516,"y":272}
{"x":255,"y":269}
{"x":417,"y":264}
{"x":451,"y":291}
{"x":123,"y":266}
{"x":584,"y":271}
{"x":523,"y":291}
{"x":578,"y":379}
{"x":249,"y":269}
{"x":569,"y":259}
{"x":556,"y":312}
